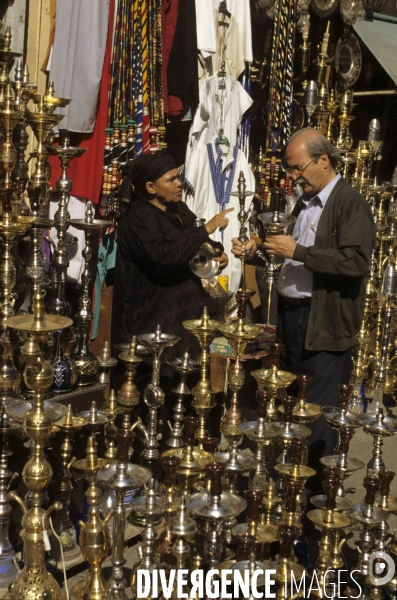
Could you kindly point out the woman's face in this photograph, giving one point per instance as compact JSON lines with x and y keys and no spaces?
{"x":168,"y":188}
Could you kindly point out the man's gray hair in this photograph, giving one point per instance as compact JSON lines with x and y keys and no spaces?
{"x":316,"y":144}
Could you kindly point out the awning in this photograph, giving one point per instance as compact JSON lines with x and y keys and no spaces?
{"x":381,"y":39}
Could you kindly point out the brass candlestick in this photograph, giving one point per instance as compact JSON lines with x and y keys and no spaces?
{"x":34,"y":580}
{"x":63,"y":489}
{"x":184,"y":366}
{"x":83,"y":357}
{"x":57,"y":302}
{"x":273,"y":379}
{"x":94,"y":534}
{"x":205,"y":330}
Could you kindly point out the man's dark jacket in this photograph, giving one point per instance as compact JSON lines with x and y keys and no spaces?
{"x":339,"y":260}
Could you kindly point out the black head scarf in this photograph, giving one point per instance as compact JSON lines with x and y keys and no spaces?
{"x":144,"y":168}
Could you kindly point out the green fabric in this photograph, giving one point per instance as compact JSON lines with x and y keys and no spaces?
{"x":106,"y":260}
{"x":339,"y":260}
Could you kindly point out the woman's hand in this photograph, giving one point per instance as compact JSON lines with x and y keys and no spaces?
{"x":238,"y":248}
{"x":219,"y":221}
{"x":222,"y":259}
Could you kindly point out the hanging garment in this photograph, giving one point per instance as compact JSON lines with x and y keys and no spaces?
{"x":203,"y":195}
{"x":169,"y":15}
{"x":182,"y":70}
{"x":207,"y":120}
{"x":229,"y":47}
{"x":206,"y":40}
{"x":240,"y":9}
{"x":86,"y":172}
{"x":77,"y":59}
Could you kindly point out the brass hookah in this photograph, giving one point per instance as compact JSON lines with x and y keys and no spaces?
{"x":94,"y":534}
{"x":34,"y":580}
{"x":274,"y":223}
{"x":83,"y":357}
{"x":184,"y":366}
{"x":216,"y":508}
{"x":341,"y":416}
{"x":128,"y":395}
{"x":238,"y":335}
{"x":153,"y":395}
{"x":106,"y":364}
{"x":205,"y":330}
{"x":323,"y":111}
{"x":379,"y":427}
{"x":384,"y":500}
{"x":63,"y":489}
{"x":151,"y":506}
{"x":121,"y":478}
{"x":57,"y":302}
{"x":113,"y":409}
{"x":192,"y":459}
{"x":295,"y":470}
{"x":171,"y":495}
{"x":7,"y":57}
{"x":24,"y":91}
{"x":245,"y":561}
{"x":263,"y":534}
{"x":263,"y":435}
{"x":284,"y":565}
{"x":330,"y":521}
{"x":303,"y":412}
{"x":242,"y":216}
{"x":361,"y":178}
{"x":345,"y":464}
{"x":345,"y":141}
{"x":9,"y":567}
{"x":273,"y":379}
{"x":369,"y":516}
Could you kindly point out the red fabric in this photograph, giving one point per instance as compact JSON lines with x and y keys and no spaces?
{"x":86,"y":171}
{"x":169,"y":15}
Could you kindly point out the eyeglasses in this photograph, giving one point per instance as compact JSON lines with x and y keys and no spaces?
{"x":299,"y":170}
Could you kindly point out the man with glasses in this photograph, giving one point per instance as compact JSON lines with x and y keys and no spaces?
{"x":321,"y":284}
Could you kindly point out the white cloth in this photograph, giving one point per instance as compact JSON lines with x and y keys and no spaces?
{"x":206,"y":40}
{"x":240,"y":9}
{"x":76,"y":209}
{"x":203,"y":202}
{"x":77,"y":59}
{"x":206,"y":122}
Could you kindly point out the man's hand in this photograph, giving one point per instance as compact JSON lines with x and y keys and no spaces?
{"x":222,"y":259}
{"x":239,"y":248}
{"x":281,"y":245}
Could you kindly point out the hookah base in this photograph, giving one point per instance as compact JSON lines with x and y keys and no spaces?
{"x":9,"y":568}
{"x":139,"y":520}
{"x":34,"y":584}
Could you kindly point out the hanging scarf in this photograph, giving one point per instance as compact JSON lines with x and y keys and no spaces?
{"x":221,"y":181}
